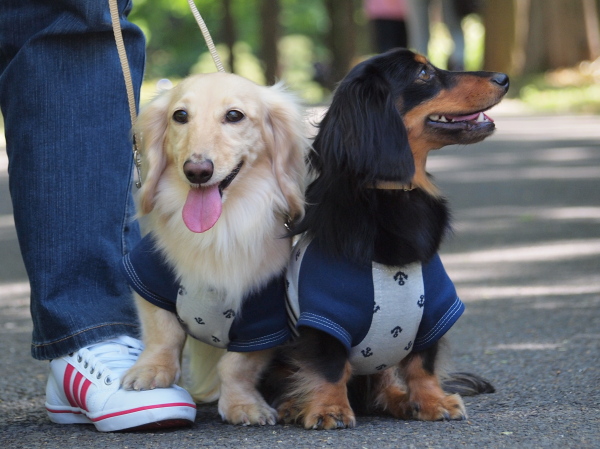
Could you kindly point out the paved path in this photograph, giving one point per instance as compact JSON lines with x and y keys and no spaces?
{"x":525,"y":258}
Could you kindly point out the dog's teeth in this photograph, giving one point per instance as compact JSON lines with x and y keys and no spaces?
{"x":439,"y":118}
{"x":481,"y":118}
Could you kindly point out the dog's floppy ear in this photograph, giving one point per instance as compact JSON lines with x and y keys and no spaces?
{"x":284,"y":134}
{"x":150,"y":128}
{"x":363,"y":133}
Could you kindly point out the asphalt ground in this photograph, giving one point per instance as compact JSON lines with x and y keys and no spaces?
{"x":525,"y":258}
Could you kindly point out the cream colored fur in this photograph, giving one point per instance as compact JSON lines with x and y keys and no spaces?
{"x":244,"y":249}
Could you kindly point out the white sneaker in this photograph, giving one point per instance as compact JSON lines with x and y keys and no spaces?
{"x":85,"y":388}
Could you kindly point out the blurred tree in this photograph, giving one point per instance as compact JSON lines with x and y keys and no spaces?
{"x":175,"y":44}
{"x":270,"y":26}
{"x":531,"y":36}
{"x":501,"y":46}
{"x":592,"y":28}
{"x":173,"y":39}
{"x":229,"y":33}
{"x":341,"y":38}
{"x":557,"y":36}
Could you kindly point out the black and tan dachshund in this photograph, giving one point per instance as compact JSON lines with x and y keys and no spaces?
{"x":367,"y":254}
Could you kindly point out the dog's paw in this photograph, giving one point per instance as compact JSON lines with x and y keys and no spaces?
{"x":448,"y":407}
{"x":288,"y":411}
{"x":248,"y":414}
{"x":147,"y":377}
{"x":327,"y":417}
{"x":318,"y":416}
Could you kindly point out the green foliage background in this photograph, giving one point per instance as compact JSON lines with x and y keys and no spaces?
{"x":175,"y":43}
{"x":176,"y":48}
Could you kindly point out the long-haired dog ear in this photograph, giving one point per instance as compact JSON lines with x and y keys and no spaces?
{"x":363,"y":134}
{"x":150,"y":128}
{"x":285,"y":136}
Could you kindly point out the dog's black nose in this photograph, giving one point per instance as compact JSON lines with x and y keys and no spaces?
{"x":198,"y":172}
{"x":501,"y":79}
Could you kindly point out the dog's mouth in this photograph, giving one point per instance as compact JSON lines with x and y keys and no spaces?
{"x":467,"y":122}
{"x":460,"y":128}
{"x":203,"y":204}
{"x":229,"y":178}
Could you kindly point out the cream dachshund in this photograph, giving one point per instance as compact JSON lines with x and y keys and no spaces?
{"x":223,"y":170}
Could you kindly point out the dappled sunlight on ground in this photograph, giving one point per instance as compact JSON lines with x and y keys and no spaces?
{"x":529,"y":346}
{"x":469,"y":294}
{"x":538,"y":253}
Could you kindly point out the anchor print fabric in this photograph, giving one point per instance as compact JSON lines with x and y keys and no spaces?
{"x":380,"y":313}
{"x":261,"y":323}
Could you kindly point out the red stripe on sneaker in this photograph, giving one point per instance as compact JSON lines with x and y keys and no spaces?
{"x":76,"y":385}
{"x":67,"y":385}
{"x":140,"y":409}
{"x":63,"y":411}
{"x":83,"y":395}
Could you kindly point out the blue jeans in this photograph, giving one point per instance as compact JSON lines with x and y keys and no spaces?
{"x":70,"y":165}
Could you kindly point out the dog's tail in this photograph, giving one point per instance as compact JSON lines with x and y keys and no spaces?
{"x":466,"y":384}
{"x":202,"y":381}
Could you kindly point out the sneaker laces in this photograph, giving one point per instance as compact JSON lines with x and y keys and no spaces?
{"x":110,"y":358}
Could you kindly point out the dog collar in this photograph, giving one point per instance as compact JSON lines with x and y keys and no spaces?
{"x":391,"y":185}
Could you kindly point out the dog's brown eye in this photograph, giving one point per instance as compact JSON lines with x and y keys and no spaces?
{"x":180,"y":116}
{"x":425,"y":74}
{"x":234,"y":116}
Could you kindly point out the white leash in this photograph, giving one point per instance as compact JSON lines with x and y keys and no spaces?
{"x":114,"y":15}
{"x":209,"y":42}
{"x":116,"y":23}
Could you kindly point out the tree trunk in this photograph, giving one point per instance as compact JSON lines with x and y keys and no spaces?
{"x":501,"y":43}
{"x":229,"y":33}
{"x":270,"y":33}
{"x":557,"y":35}
{"x":592,"y":28}
{"x":341,"y":38}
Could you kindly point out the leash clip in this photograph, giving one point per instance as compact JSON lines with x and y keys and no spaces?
{"x":137,"y":160}
{"x":288,"y":223}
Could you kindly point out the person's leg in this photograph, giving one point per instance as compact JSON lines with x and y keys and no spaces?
{"x":70,"y":173}
{"x":401,"y":34}
{"x":418,"y":25}
{"x":453,"y":21}
{"x":67,"y":136}
{"x":389,"y":34}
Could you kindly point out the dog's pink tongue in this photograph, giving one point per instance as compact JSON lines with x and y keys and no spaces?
{"x":202,"y":208}
{"x":463,"y":118}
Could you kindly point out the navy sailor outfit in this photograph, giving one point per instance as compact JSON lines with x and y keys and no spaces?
{"x":379,"y":313}
{"x":260,"y":324}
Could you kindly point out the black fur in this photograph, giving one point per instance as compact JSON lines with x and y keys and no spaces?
{"x":319,"y":352}
{"x":409,"y":226}
{"x":429,"y":357}
{"x":467,"y":384}
{"x":313,"y":351}
{"x":362,"y":139}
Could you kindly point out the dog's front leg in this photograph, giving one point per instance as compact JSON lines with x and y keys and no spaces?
{"x":317,"y":396}
{"x":159,"y":365}
{"x":240,"y":401}
{"x":424,"y":398}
